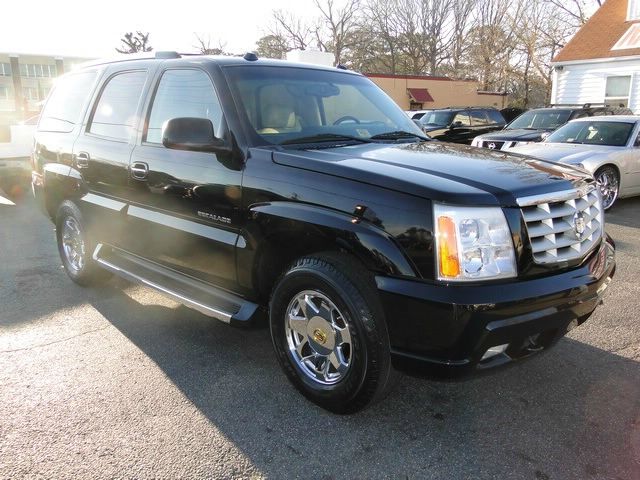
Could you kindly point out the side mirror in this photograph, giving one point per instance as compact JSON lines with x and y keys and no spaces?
{"x":544,"y":135}
{"x":455,"y":124}
{"x":188,"y":133}
{"x":637,"y":142}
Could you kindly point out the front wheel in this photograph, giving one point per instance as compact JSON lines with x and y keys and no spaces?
{"x":329,"y":333}
{"x":609,"y":185}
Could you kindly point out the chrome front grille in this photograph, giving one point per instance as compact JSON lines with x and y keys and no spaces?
{"x":563,"y":225}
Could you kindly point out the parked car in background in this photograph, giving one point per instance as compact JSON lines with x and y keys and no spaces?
{"x":416,"y":114}
{"x":460,"y":125}
{"x":607,"y":147}
{"x":534,"y":125}
{"x":16,"y":142}
{"x":511,"y":113}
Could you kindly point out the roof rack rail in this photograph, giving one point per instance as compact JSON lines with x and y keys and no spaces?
{"x":167,"y":54}
{"x":466,"y":107}
{"x":582,"y":105}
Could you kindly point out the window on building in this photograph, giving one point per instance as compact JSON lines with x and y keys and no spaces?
{"x":633,"y":10}
{"x":5,"y":93}
{"x":37,"y":70}
{"x":64,"y":108}
{"x":30,"y":93}
{"x":183,"y":93}
{"x":630,"y":39}
{"x":5,"y":69}
{"x":115,"y":113}
{"x":617,"y":91}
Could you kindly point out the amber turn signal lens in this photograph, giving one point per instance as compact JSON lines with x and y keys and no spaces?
{"x":448,"y":248}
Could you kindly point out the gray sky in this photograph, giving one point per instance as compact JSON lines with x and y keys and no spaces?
{"x":94,"y":28}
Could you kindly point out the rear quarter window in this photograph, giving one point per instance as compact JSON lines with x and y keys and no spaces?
{"x":65,"y":107}
{"x":495,"y":116}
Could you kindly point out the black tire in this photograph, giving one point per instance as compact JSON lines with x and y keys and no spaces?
{"x":608,"y":180}
{"x":348,"y":286}
{"x":87,"y":272}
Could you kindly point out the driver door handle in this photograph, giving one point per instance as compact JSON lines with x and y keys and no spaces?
{"x":139,"y":170}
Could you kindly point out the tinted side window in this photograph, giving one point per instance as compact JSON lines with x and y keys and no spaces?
{"x":478,"y":117}
{"x":463,"y":118}
{"x":183,"y":93}
{"x":115,"y":113}
{"x":495,"y":116}
{"x":64,"y":107}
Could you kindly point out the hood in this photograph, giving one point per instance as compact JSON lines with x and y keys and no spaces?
{"x":515,"y":135}
{"x":439,"y":171}
{"x":569,"y":153}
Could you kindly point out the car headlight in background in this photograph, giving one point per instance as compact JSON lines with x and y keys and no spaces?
{"x":473,"y":243}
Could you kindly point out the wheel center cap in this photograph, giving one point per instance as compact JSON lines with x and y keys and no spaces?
{"x":319,"y":336}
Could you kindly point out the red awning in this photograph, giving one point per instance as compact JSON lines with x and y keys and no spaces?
{"x":420,"y":95}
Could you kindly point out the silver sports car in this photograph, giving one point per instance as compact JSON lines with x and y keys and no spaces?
{"x":608,"y":147}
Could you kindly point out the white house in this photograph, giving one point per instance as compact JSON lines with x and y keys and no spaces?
{"x":601,"y":63}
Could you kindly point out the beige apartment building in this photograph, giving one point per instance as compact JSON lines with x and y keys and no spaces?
{"x":417,"y":92}
{"x":25,"y":81}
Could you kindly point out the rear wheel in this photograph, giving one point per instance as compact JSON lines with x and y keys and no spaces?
{"x":329,"y":333}
{"x":609,"y":184}
{"x":75,"y":247}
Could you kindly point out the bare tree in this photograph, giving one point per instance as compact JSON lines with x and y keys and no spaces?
{"x":340,"y":23}
{"x":576,"y":11}
{"x":295,"y":30}
{"x":204,"y":47}
{"x":133,"y":43}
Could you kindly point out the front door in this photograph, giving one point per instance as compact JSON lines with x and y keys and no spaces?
{"x":185,"y":205}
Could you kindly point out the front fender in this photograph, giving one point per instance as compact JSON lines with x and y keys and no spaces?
{"x":279,"y":232}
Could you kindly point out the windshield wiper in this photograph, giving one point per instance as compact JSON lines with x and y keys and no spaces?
{"x":324,"y":137}
{"x":397,"y":135}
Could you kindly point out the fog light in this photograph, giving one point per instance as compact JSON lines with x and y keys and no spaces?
{"x":493,"y":351}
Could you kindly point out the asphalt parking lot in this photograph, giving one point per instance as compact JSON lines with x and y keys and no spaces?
{"x":121,"y":382}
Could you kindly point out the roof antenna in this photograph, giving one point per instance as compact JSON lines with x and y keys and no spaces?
{"x":250,"y":56}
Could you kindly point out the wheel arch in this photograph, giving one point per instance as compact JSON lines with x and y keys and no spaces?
{"x":284,"y":231}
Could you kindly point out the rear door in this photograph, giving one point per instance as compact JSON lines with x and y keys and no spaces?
{"x":103,"y":149}
{"x":185,"y":204}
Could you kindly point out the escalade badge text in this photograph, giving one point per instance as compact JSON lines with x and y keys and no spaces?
{"x":579,"y":224}
{"x":214,"y":217}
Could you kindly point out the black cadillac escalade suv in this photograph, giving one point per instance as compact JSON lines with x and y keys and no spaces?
{"x":250,"y":189}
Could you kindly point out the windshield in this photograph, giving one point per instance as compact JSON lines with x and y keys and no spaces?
{"x":613,"y":134}
{"x":541,"y":119}
{"x":293,"y":105}
{"x":437,"y":119}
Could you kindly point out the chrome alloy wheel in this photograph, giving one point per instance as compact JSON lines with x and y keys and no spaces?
{"x":318,"y":337}
{"x":73,"y":244}
{"x":607,"y":181}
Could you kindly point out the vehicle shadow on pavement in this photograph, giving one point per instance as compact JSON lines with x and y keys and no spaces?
{"x":573,"y":412}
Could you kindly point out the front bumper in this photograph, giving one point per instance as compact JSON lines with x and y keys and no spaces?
{"x":445,"y":330}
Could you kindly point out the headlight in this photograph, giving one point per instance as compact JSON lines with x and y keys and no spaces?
{"x":519,"y":144}
{"x":473,"y":243}
{"x":476,"y":142}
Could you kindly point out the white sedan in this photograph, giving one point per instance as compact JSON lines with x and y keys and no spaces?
{"x":607,"y":146}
